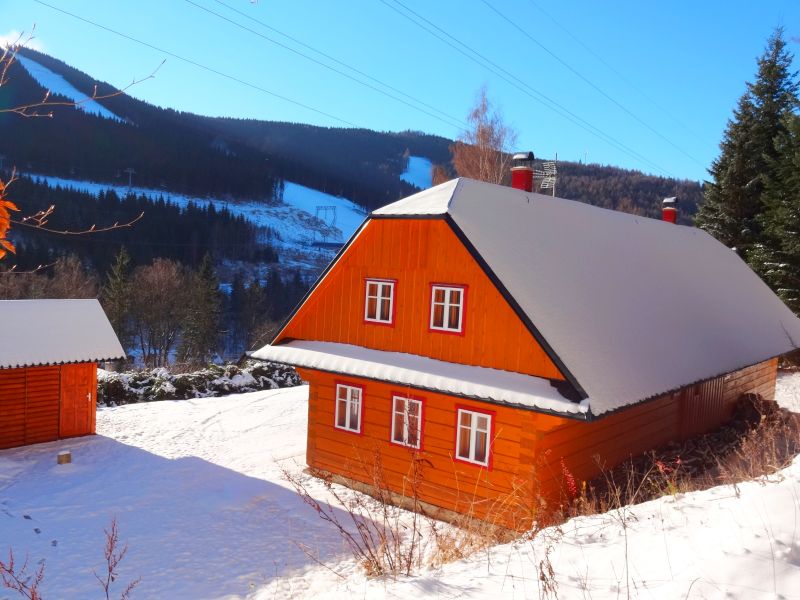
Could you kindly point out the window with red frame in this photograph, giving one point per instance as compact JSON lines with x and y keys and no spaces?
{"x":472,"y":437}
{"x":406,"y":421}
{"x":447,"y":308}
{"x":348,"y":407}
{"x":379,"y":302}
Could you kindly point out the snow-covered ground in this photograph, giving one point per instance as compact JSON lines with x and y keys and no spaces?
{"x":418,"y":172}
{"x":58,"y":85}
{"x":197,"y":490}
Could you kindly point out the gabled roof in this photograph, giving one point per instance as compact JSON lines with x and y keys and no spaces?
{"x":633,"y":307}
{"x":50,"y":332}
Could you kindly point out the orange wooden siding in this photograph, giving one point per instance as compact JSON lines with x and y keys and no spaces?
{"x":31,"y":403}
{"x":447,"y":482}
{"x":418,"y":253}
{"x":527,"y":448}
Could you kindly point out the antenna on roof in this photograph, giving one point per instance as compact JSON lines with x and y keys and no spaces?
{"x":548,"y":174}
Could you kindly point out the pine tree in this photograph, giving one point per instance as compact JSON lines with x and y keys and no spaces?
{"x":734,"y":197}
{"x":115,"y":297}
{"x":777,"y":257}
{"x":201,"y":326}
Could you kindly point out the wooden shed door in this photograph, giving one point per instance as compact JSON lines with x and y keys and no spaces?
{"x":78,"y":391}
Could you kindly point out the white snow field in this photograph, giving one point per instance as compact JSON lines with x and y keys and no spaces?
{"x":418,"y":172}
{"x":58,"y":85}
{"x":197,"y":490}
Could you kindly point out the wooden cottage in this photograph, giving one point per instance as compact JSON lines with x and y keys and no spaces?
{"x":496,"y":338}
{"x":48,"y":368}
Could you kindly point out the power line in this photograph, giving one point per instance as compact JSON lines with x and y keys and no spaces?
{"x":199,"y":65}
{"x":341,"y":63}
{"x":610,"y":67}
{"x":589,"y":82}
{"x":314,"y":60}
{"x":521,"y":85}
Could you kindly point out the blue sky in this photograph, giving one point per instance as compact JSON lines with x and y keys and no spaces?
{"x":660,"y":78}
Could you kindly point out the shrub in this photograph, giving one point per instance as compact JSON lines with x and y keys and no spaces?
{"x":216,"y":380}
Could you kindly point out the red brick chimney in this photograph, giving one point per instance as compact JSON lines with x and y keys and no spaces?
{"x":669,"y":210}
{"x":522,"y":171}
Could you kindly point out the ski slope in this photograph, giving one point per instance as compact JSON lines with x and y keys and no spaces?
{"x":58,"y":85}
{"x":294,"y":219}
{"x":418,"y":172}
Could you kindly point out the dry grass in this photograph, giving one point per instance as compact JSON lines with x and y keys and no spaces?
{"x":391,"y":533}
{"x":760,"y":440}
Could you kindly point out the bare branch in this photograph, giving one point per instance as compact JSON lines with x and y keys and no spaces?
{"x":18,"y":579}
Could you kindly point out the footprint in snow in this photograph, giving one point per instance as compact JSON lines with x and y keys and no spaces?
{"x":27,"y":517}
{"x":37,"y":530}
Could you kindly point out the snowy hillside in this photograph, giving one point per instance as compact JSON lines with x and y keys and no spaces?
{"x":418,"y":172}
{"x":197,"y":490}
{"x":294,"y":219}
{"x":58,"y":85}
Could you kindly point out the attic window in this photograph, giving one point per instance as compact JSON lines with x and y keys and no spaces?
{"x":447,"y":308}
{"x":379,"y":302}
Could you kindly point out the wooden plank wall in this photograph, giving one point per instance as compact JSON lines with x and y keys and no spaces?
{"x":43,"y":404}
{"x":30,"y":404}
{"x":502,"y":492}
{"x":417,"y":253}
{"x":12,"y":407}
{"x":529,"y":449}
{"x":630,"y":432}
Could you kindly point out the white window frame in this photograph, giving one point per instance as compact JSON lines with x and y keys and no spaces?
{"x":353,"y":395}
{"x":404,"y":438}
{"x":473,"y":435}
{"x":379,"y":300}
{"x":447,"y":305}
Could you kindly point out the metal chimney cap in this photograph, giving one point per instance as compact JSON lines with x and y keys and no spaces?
{"x":671,"y":201}
{"x":523,"y":156}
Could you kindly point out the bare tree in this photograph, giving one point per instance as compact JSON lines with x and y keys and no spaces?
{"x":158,"y":306}
{"x":483,"y":151}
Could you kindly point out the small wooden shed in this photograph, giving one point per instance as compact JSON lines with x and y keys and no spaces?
{"x":48,"y":368}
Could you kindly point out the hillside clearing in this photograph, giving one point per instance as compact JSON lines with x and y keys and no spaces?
{"x":197,"y":490}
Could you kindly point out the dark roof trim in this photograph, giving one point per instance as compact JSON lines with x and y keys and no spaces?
{"x":425,"y":217}
{"x":581,"y":393}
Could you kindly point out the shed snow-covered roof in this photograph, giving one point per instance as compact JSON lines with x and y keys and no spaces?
{"x":48,"y":332}
{"x":633,"y":307}
{"x":424,"y":373}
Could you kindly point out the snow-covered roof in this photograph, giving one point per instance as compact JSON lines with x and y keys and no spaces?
{"x":633,"y":307}
{"x":48,"y":332}
{"x":424,"y":373}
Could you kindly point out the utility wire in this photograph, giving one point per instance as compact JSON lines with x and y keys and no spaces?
{"x":198,"y":65}
{"x":589,"y":82}
{"x":342,"y":63}
{"x":322,"y":64}
{"x":521,"y":85}
{"x":611,"y":68}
